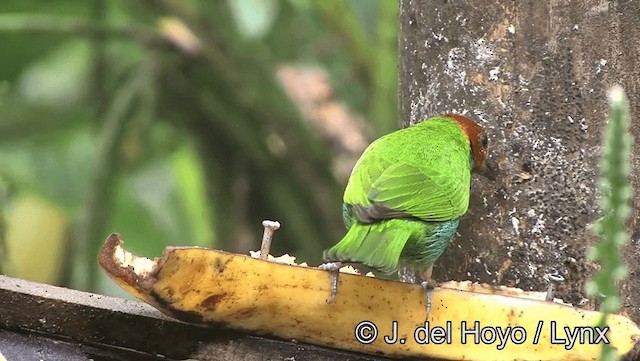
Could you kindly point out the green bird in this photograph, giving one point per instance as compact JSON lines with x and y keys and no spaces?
{"x":405,"y":196}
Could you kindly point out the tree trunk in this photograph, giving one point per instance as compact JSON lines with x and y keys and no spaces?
{"x":535,"y":73}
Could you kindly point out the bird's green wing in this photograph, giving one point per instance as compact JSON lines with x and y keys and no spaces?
{"x":422,"y":171}
{"x":428,"y":194}
{"x":368,"y":168}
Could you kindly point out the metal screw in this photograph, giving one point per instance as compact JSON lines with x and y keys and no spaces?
{"x":269,"y":228}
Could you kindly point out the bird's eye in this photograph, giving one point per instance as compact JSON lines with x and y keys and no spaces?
{"x":483,"y":140}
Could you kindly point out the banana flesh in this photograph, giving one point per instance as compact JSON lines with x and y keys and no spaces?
{"x":369,"y":315}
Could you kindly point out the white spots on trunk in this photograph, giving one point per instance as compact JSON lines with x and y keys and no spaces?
{"x":553,"y":162}
{"x":601,"y":7}
{"x":502,"y":104}
{"x":460,"y":60}
{"x":524,"y":86}
{"x":486,"y":269}
{"x":484,"y":52}
{"x":538,"y":227}
{"x":472,"y":58}
{"x":583,"y":124}
{"x":493,"y":73}
{"x":455,"y":67}
{"x":416,"y":107}
{"x":480,"y":115}
{"x":460,"y":17}
{"x":516,"y":225}
{"x":423,"y":105}
{"x":601,"y":64}
{"x":440,"y":37}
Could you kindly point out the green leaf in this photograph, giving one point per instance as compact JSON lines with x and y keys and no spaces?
{"x":163,"y":203}
{"x":55,"y":167}
{"x":192,"y":192}
{"x":60,"y":79}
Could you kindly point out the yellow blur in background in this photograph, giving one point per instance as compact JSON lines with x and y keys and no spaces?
{"x":37,"y":234}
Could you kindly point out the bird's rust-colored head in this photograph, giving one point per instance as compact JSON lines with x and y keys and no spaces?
{"x":477,"y":137}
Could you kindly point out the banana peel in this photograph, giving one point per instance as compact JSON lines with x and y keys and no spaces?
{"x":369,"y":315}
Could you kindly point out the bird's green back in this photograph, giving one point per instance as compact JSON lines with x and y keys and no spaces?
{"x":423,"y":171}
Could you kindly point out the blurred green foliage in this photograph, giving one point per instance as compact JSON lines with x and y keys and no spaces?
{"x":165,"y":121}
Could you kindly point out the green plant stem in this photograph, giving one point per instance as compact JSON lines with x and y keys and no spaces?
{"x":3,"y":224}
{"x":41,"y":23}
{"x":20,"y":120}
{"x":247,"y":76}
{"x":89,"y":232}
{"x":616,"y":190}
{"x":342,"y":21}
{"x":384,"y":89}
{"x":99,"y":55}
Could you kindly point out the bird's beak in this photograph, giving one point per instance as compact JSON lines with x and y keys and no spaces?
{"x":489,"y":169}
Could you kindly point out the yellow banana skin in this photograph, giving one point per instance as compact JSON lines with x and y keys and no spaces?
{"x":214,"y":287}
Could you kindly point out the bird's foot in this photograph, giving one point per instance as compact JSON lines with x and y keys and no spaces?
{"x":428,"y":286}
{"x":554,"y":281}
{"x":334,"y":269}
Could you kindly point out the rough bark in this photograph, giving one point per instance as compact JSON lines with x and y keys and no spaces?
{"x":535,"y":73}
